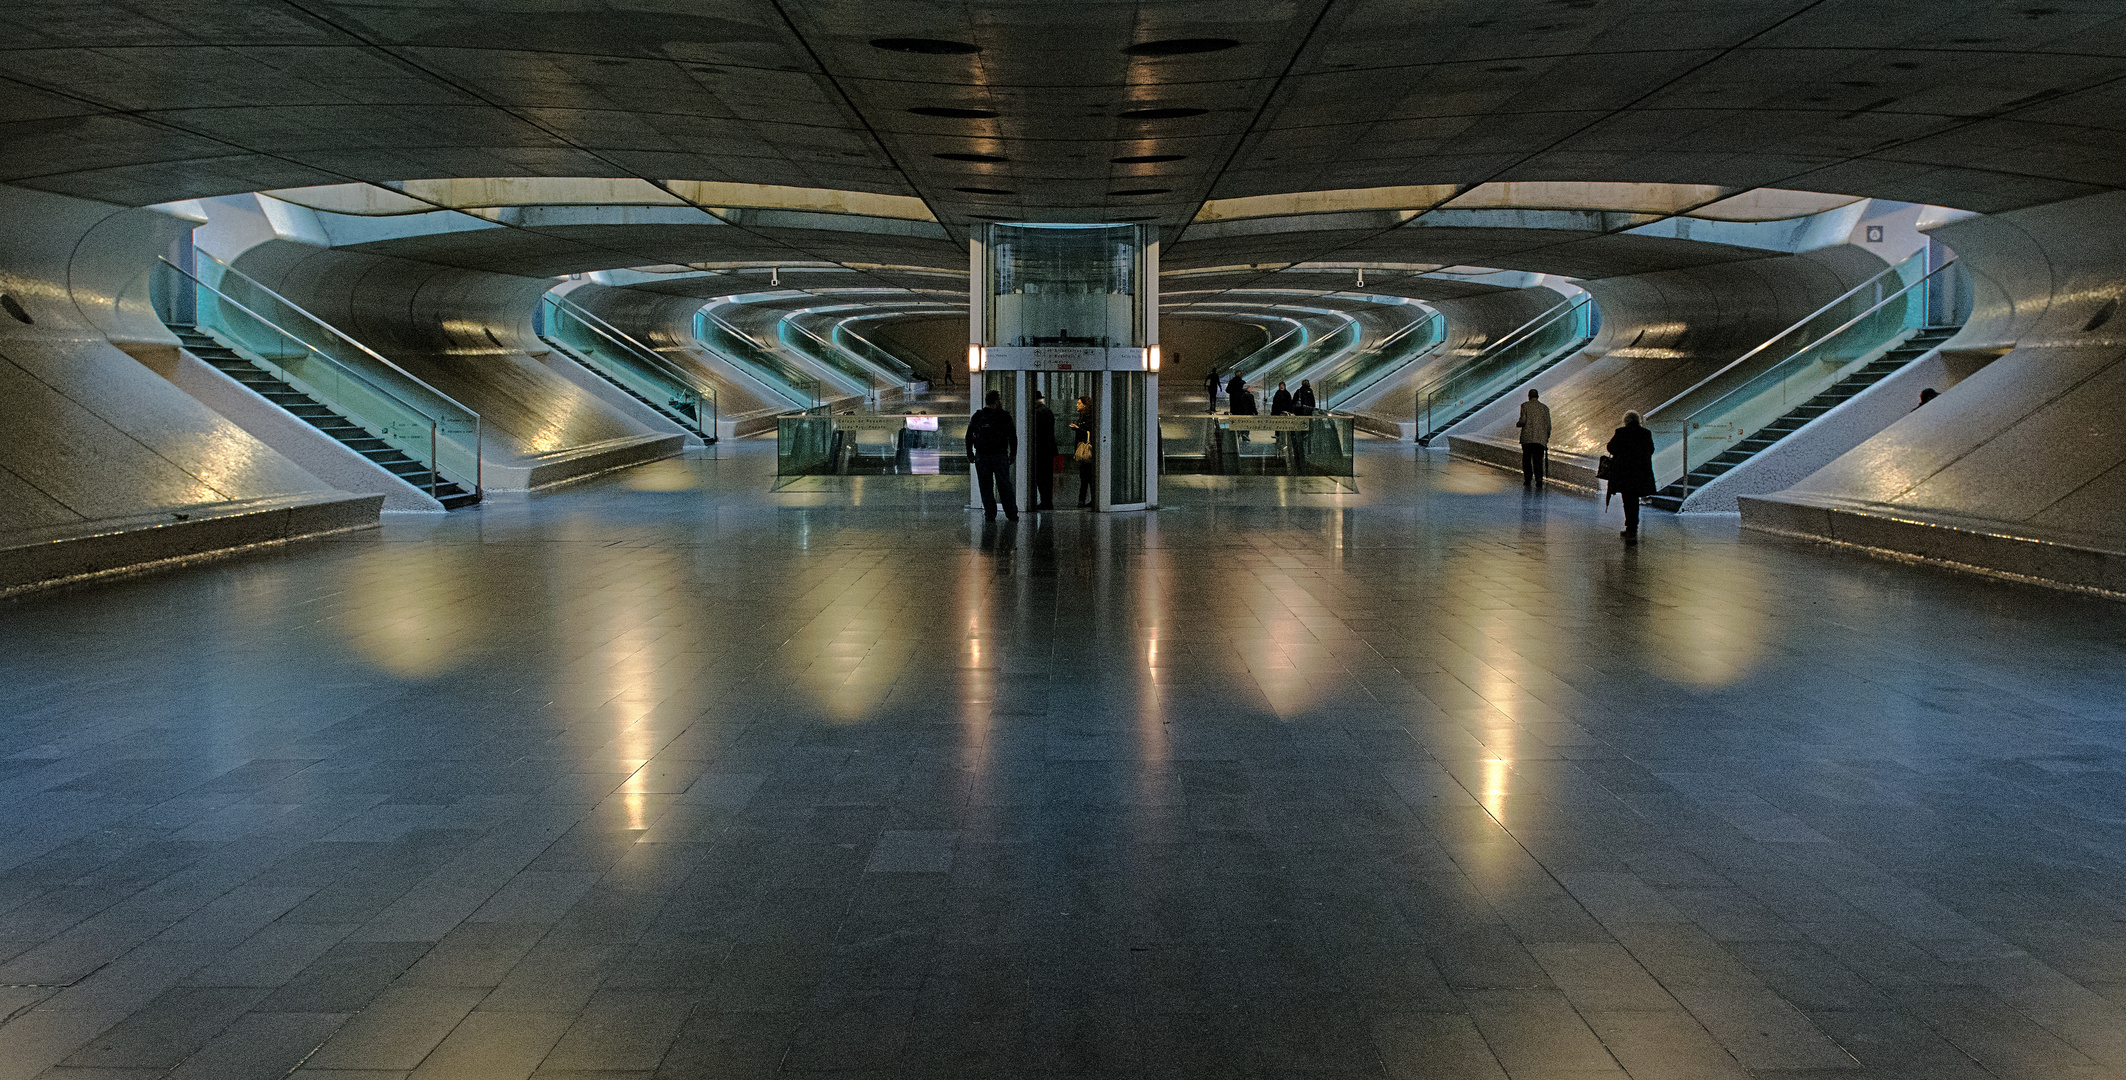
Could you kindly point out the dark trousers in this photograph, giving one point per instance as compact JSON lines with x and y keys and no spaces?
{"x":1631,"y":513}
{"x":1534,"y":456}
{"x":1044,"y":481}
{"x":1085,"y":483}
{"x":993,"y":473}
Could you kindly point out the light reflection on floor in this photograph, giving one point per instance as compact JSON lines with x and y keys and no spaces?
{"x":676,"y":773}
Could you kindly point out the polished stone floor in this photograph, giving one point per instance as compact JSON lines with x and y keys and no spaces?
{"x":668,"y":775}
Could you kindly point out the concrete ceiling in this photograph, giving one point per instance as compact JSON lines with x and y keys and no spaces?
{"x":1984,"y":106}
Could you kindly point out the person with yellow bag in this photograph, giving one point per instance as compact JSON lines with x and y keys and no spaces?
{"x":1082,"y":453}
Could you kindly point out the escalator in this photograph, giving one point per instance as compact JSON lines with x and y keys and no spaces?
{"x":1671,"y":497}
{"x":1504,"y":366}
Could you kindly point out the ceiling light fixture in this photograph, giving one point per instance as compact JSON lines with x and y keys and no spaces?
{"x":1181,"y":46}
{"x":992,"y":159}
{"x":924,"y":46}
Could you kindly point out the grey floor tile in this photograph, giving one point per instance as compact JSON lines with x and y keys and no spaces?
{"x":1427,"y":779}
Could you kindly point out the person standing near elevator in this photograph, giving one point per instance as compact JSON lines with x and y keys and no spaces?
{"x":1043,"y":465}
{"x":993,"y":446}
{"x":1081,"y":451}
{"x":1535,"y":440}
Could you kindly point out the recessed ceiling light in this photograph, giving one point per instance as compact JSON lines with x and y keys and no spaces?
{"x":989,"y":158}
{"x":1161,"y":114}
{"x":1148,"y":159}
{"x":1143,"y":191}
{"x":1182,"y":46}
{"x":950,"y":113}
{"x":984,"y":191}
{"x":925,"y":46}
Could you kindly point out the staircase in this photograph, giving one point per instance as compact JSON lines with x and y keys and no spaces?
{"x":1671,"y":497}
{"x":677,"y":412}
{"x":307,"y":409}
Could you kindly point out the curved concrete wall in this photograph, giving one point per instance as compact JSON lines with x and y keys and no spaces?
{"x":2021,"y":466}
{"x":92,"y":433}
{"x":106,"y":464}
{"x":469,"y":334}
{"x":1663,"y":332}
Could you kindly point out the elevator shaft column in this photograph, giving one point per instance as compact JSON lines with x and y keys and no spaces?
{"x":1072,"y":309}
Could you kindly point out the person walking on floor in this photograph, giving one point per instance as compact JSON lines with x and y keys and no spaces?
{"x":1081,"y":451}
{"x":1241,"y":400}
{"x":1281,"y":401}
{"x":1631,"y":469}
{"x":1210,"y":391}
{"x":993,"y":446}
{"x":1535,"y":441}
{"x":1234,"y":387}
{"x":1303,"y":399}
{"x":1044,"y":454}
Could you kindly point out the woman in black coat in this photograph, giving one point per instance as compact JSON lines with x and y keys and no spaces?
{"x":1631,"y":469}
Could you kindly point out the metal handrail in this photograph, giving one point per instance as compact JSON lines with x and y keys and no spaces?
{"x":1513,"y":337}
{"x":1798,"y":324}
{"x":1249,"y":376}
{"x":322,"y":324}
{"x":871,"y":383}
{"x":435,"y":461}
{"x":1352,"y":392}
{"x":642,"y":352}
{"x":1526,"y":332}
{"x":841,"y":327}
{"x":791,"y":377}
{"x":1690,"y":422}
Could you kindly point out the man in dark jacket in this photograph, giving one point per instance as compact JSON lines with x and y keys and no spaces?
{"x":1210,"y":390}
{"x":993,"y":446}
{"x":1234,"y":387}
{"x":1043,"y":464}
{"x":1303,"y":399}
{"x":1631,"y":469}
{"x":1281,"y":401}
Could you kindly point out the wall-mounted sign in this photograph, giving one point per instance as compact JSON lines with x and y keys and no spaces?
{"x":1061,"y":358}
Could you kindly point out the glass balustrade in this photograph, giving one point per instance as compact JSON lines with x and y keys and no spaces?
{"x":1363,"y":370}
{"x":342,"y":374}
{"x":738,"y":349}
{"x":1215,"y":444}
{"x":1289,"y":366}
{"x":870,"y":444}
{"x":683,"y":395}
{"x":825,"y":353}
{"x":1503,"y":365}
{"x":843,"y":337}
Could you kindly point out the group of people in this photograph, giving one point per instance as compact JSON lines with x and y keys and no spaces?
{"x":1240,"y":399}
{"x":993,"y":447}
{"x":1629,"y":466}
